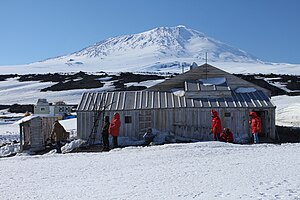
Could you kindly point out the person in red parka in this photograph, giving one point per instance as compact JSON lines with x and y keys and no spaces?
{"x":216,"y":126}
{"x":114,"y":129}
{"x":226,"y":135}
{"x":255,"y":123}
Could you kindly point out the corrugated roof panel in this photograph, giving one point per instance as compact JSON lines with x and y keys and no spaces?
{"x":105,"y":102}
{"x":229,"y":101}
{"x":189,"y":103}
{"x":183,"y":100}
{"x":91,"y":101}
{"x":147,"y":99}
{"x":176,"y":101}
{"x":264,"y":99}
{"x":83,"y":102}
{"x":111,"y":100}
{"x":244,"y":100}
{"x":169,"y":100}
{"x":252,"y":98}
{"x":222,"y":103}
{"x":163,"y":100}
{"x":99,"y":101}
{"x":212,"y":103}
{"x":205,"y":102}
{"x":140,"y":100}
{"x":197,"y":103}
{"x":152,"y":99}
{"x":236,"y":100}
{"x":127,"y":100}
{"x":172,"y":100}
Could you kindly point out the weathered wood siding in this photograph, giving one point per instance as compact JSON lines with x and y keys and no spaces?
{"x":36,"y":137}
{"x":186,"y":122}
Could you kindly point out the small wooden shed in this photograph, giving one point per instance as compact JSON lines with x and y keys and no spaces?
{"x":182,"y":106}
{"x":34,"y":131}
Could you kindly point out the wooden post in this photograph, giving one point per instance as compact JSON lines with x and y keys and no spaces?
{"x":21,"y":138}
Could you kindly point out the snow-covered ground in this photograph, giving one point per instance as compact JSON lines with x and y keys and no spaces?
{"x":139,"y":64}
{"x":287,"y":110}
{"x":204,"y":170}
{"x":12,"y":91}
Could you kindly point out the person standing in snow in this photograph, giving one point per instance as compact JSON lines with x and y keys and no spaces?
{"x":216,"y":126}
{"x":255,"y":124}
{"x":114,"y":129}
{"x":57,"y":135}
{"x":105,"y":134}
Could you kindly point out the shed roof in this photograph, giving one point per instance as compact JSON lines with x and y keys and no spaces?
{"x":134,"y":100}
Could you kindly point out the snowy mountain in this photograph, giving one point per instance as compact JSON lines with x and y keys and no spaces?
{"x":161,"y":49}
{"x":166,"y":42}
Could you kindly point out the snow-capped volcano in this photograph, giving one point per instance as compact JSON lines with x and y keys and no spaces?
{"x":166,"y":42}
{"x":167,"y":49}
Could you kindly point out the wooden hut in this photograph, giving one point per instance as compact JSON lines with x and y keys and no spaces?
{"x":34,"y":130}
{"x":181,"y":105}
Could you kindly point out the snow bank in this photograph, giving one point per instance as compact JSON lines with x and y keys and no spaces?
{"x":72,"y":145}
{"x":9,"y":149}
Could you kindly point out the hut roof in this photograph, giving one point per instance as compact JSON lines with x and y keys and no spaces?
{"x":133,"y":100}
{"x":30,"y":117}
{"x":203,"y":72}
{"x":201,"y":87}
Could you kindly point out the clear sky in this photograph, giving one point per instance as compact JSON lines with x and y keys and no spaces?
{"x":33,"y":30}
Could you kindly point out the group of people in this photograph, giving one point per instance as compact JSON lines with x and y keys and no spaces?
{"x":113,"y":129}
{"x":226,"y":135}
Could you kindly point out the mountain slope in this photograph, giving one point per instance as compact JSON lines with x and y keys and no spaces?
{"x":165,"y":42}
{"x":165,"y":49}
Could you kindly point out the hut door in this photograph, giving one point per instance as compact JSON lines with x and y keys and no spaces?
{"x":144,"y":120}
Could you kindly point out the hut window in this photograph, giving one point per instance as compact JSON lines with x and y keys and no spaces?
{"x":128,"y":120}
{"x":43,"y":109}
{"x":227,"y":114}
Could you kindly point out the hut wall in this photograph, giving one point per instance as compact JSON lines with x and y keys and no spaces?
{"x":36,"y":138}
{"x":186,"y":122}
{"x":129,"y":129}
{"x":85,"y":122}
{"x":47,"y":125}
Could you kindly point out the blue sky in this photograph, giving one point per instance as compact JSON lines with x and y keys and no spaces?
{"x":33,"y":30}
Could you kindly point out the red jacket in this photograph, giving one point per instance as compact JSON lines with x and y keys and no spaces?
{"x":114,"y":127}
{"x":216,"y":126}
{"x":227,"y":136}
{"x":255,"y":123}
